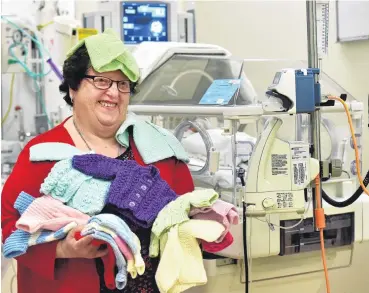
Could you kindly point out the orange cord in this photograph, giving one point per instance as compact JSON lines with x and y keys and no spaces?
{"x":319,"y":211}
{"x":357,"y":161}
{"x":320,"y":223}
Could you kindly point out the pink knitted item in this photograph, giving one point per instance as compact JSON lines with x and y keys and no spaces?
{"x":221,"y":211}
{"x":123,"y":247}
{"x":214,"y":247}
{"x":48,"y":213}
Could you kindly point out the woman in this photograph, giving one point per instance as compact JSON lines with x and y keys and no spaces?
{"x":99,"y":101}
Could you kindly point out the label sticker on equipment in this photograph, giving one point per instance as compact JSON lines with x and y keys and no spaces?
{"x":284,"y":200}
{"x":299,"y":173}
{"x":299,"y":153}
{"x":279,"y":164}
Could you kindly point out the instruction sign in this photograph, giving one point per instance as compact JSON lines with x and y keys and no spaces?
{"x":220,"y":92}
{"x":279,"y":164}
{"x":284,"y":200}
{"x":300,"y":157}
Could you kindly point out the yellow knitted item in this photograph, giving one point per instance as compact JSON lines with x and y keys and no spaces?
{"x":181,"y":266}
{"x":108,"y":53}
{"x":176,"y":212}
{"x":137,"y":265}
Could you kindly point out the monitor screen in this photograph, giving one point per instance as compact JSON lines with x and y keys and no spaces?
{"x":144,"y":21}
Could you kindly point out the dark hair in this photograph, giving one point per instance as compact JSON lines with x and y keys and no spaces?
{"x":74,"y":71}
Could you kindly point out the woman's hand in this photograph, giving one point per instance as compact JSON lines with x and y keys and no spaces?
{"x":82,"y":248}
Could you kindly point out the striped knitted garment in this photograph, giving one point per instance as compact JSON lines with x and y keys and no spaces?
{"x":19,"y":241}
{"x":121,"y":276}
{"x":135,"y":264}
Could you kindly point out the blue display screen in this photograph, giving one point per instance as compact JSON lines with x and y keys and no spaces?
{"x":144,"y":21}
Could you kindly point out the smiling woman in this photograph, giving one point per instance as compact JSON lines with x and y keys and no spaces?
{"x":99,"y":101}
{"x":99,"y":76}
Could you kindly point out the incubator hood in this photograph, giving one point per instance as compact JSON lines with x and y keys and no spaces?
{"x":184,"y":79}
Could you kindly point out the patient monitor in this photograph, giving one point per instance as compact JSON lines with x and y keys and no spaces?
{"x":139,"y":21}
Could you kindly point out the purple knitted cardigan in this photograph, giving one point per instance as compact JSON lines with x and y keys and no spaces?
{"x":139,"y":193}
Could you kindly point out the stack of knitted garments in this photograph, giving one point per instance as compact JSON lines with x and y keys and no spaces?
{"x":198,"y":215}
{"x":42,"y":220}
{"x":123,"y":244}
{"x":87,"y":183}
{"x":139,"y":194}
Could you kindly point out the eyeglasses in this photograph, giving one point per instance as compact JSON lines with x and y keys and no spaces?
{"x":104,"y":83}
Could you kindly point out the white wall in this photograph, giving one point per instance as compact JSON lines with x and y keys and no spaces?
{"x":85,"y":6}
{"x":254,"y":29}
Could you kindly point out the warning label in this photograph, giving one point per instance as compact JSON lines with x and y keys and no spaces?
{"x":299,"y":173}
{"x":284,"y":200}
{"x":279,"y":164}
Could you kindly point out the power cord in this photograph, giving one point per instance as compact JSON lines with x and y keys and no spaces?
{"x":245,"y":259}
{"x":363,"y":182}
{"x":271,"y":225}
{"x":241,"y":174}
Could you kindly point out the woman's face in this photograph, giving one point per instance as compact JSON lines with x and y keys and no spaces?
{"x":106,"y":107}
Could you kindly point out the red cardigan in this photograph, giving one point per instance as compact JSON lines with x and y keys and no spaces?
{"x":38,"y":270}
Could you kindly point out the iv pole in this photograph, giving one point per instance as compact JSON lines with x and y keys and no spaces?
{"x":313,"y":62}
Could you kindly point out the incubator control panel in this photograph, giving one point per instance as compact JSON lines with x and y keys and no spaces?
{"x":339,"y":231}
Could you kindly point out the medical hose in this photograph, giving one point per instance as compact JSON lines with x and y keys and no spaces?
{"x":350,"y":200}
{"x":3,"y":119}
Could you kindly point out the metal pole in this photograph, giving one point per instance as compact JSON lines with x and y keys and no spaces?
{"x":312,"y":34}
{"x":313,"y":62}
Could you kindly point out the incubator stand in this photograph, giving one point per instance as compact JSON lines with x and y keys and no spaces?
{"x":220,"y":138}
